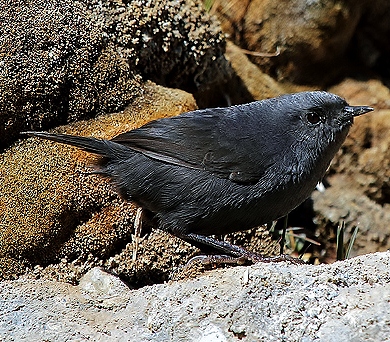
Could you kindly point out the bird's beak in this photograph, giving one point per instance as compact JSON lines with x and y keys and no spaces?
{"x":352,"y":111}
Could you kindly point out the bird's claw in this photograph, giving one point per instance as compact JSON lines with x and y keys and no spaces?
{"x":249,"y":258}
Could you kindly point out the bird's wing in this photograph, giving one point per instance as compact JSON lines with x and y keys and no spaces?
{"x":204,"y":139}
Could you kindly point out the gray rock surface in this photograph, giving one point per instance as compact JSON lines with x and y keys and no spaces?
{"x":345,"y":301}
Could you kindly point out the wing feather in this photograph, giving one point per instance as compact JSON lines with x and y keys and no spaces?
{"x":209,"y":139}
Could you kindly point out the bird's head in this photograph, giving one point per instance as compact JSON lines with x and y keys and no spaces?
{"x":311,"y":127}
{"x":317,"y":117}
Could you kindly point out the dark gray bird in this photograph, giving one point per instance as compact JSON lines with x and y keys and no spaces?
{"x":221,"y":170}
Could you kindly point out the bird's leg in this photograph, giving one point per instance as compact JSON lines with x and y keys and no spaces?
{"x":137,"y":232}
{"x":236,"y":254}
{"x":283,"y":237}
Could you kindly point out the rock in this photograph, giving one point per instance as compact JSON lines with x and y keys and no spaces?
{"x":269,"y":302}
{"x":344,"y":201}
{"x":173,"y":43}
{"x":258,"y":84}
{"x":318,"y":40}
{"x":57,"y":66}
{"x":371,"y":92}
{"x":71,"y":60}
{"x":366,"y":155}
{"x":310,"y":35}
{"x":51,"y":209}
{"x":246,"y":83}
{"x":98,"y":286}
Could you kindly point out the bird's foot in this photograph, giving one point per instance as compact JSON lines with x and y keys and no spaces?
{"x":247,"y":258}
{"x":235,"y":254}
{"x":217,"y":259}
{"x":255,"y":258}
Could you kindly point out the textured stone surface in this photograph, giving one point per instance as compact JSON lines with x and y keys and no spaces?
{"x":345,"y":201}
{"x":67,"y":60}
{"x":258,"y":84}
{"x":50,"y":208}
{"x":366,"y":152}
{"x":317,"y":40}
{"x":348,"y":301}
{"x":56,"y":66}
{"x":174,"y":43}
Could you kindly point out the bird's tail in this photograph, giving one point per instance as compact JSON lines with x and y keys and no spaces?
{"x":104,"y":148}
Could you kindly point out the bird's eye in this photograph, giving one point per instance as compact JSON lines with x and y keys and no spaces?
{"x":313,"y":118}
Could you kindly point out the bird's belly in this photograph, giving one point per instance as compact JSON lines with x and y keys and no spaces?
{"x":230,"y":217}
{"x":194,"y":201}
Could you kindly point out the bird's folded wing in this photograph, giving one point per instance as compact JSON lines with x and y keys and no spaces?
{"x":206,"y":142}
